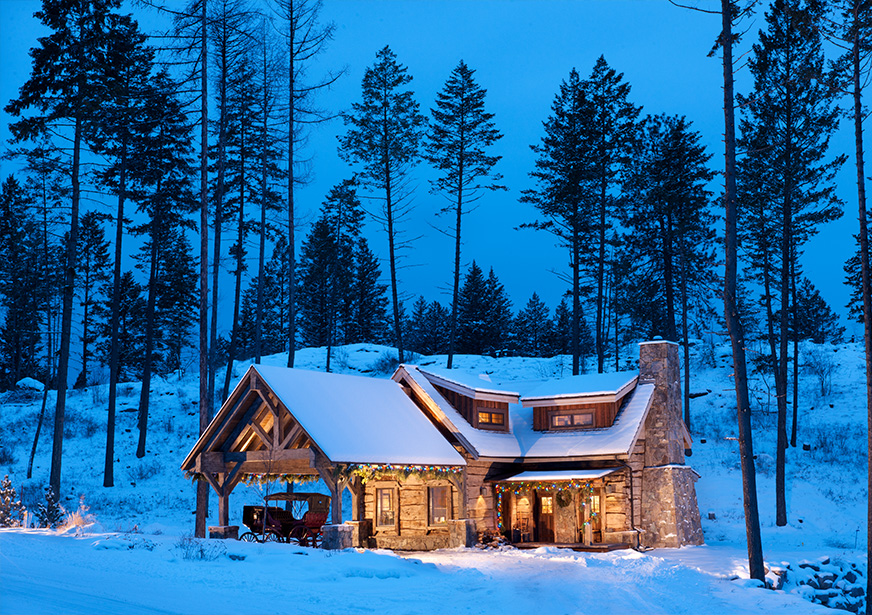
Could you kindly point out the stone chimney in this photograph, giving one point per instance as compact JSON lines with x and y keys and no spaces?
{"x":670,"y":514}
{"x":664,"y":441}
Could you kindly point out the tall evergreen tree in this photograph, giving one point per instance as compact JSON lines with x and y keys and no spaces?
{"x":564,"y":174}
{"x":610,"y":133}
{"x":305,"y":38}
{"x":164,"y":195}
{"x":62,"y":88}
{"x":22,"y":293}
{"x":176,"y":301}
{"x":131,"y":327}
{"x":794,"y":104}
{"x":532,"y":328}
{"x":813,"y":319}
{"x":94,"y":270}
{"x":369,"y":322}
{"x":459,"y":135}
{"x":385,"y":130}
{"x":670,"y":239}
{"x":472,"y":313}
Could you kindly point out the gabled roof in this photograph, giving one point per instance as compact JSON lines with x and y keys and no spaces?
{"x":587,"y":387}
{"x":522,"y":441}
{"x":351,"y":419}
{"x":473,"y":386}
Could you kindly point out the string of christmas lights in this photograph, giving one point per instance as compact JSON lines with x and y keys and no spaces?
{"x":368,"y":472}
{"x":525,"y":487}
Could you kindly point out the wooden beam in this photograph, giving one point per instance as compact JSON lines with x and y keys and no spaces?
{"x":264,"y":437}
{"x":211,"y":480}
{"x":243,"y":422}
{"x":292,"y":435}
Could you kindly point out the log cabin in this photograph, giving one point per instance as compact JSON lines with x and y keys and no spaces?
{"x":438,"y":458}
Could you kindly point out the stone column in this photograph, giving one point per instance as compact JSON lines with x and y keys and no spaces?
{"x":664,"y":436}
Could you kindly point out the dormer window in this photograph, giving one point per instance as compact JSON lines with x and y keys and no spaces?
{"x":574,"y":420}
{"x":489,"y":418}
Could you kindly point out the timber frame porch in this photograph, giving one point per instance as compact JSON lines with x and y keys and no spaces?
{"x":254,"y":433}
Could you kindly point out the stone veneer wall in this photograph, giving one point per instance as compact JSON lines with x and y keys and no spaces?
{"x":670,"y":513}
{"x":669,"y":510}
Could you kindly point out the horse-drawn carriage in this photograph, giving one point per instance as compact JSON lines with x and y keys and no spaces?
{"x":299,"y":523}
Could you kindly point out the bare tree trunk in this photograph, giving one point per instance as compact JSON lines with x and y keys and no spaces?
{"x":67,"y":314}
{"x":147,"y":363}
{"x":576,"y":291}
{"x":731,"y":312}
{"x":202,"y":507}
{"x":109,"y":461}
{"x":292,"y":246}
{"x":795,"y":347}
{"x":684,"y":335}
{"x":784,"y":331}
{"x":38,"y":429}
{"x":261,"y":263}
{"x":600,"y":273}
{"x":864,"y":265}
{"x":452,"y":333}
{"x":237,"y":293}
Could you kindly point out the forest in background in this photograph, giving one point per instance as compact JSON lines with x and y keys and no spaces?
{"x":193,"y":138}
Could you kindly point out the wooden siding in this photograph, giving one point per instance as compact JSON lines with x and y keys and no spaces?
{"x":604,"y":414}
{"x":469,"y":407}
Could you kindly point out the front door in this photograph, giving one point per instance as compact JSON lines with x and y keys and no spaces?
{"x":545,"y":516}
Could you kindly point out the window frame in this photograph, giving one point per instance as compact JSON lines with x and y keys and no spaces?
{"x":572,"y":416}
{"x":449,"y":510}
{"x":395,"y":502}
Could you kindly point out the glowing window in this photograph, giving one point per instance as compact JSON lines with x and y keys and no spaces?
{"x":582,"y":420}
{"x":547,"y":505}
{"x":561,"y":420}
{"x":439,"y":505}
{"x":385,"y":513}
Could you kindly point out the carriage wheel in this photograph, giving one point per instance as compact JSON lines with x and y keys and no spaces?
{"x":314,"y":539}
{"x":249,"y":537}
{"x":272,"y":536}
{"x":297,"y":536}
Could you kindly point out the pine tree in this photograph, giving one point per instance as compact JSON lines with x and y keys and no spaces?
{"x":94,"y":270}
{"x":499,"y":316}
{"x":610,"y":133}
{"x":532,"y":328}
{"x":384,"y":133}
{"x":131,"y":327}
{"x":813,"y":319}
{"x":176,"y":300}
{"x":22,"y":294}
{"x":472,"y":313}
{"x":327,"y":269}
{"x":305,"y":39}
{"x":165,"y":195}
{"x":62,"y":88}
{"x":459,"y":135}
{"x":51,"y":513}
{"x":670,"y":241}
{"x":564,"y":174}
{"x":10,"y":506}
{"x":793,"y":103}
{"x":369,"y":322}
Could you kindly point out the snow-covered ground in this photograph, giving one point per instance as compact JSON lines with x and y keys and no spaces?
{"x":133,"y":559}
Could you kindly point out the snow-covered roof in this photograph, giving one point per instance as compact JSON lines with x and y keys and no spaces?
{"x":523,"y":442}
{"x":586,"y":385}
{"x":355,"y":419}
{"x":473,"y":385}
{"x":559,"y":475}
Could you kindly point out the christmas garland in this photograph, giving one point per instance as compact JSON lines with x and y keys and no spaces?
{"x":368,"y":472}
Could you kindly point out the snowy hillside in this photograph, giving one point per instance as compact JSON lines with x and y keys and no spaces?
{"x":136,"y":543}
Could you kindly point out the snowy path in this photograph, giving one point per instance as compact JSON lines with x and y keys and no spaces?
{"x":47,"y":573}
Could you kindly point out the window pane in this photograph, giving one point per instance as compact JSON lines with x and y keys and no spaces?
{"x":561,"y":420}
{"x":484,"y":417}
{"x":439,"y":505}
{"x":583,"y":419}
{"x":497,"y":418}
{"x":547,"y":505}
{"x":385,"y":512}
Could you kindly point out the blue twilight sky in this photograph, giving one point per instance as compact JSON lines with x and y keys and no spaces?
{"x":521,"y":50}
